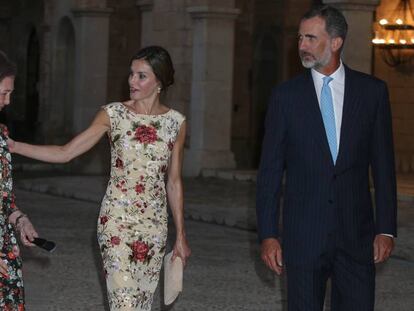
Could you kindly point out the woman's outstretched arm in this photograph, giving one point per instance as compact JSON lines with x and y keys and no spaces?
{"x":62,"y":154}
{"x":176,"y":198}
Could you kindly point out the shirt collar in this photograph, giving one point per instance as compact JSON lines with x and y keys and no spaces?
{"x":338,"y":76}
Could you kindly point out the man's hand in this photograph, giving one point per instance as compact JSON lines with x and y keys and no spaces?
{"x":271,"y":254}
{"x":383,"y":246}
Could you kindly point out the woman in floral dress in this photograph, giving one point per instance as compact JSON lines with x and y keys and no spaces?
{"x":147,"y":141}
{"x":11,"y":218}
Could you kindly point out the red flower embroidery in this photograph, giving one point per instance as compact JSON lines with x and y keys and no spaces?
{"x":170,"y":145}
{"x":121,"y":186}
{"x":139,"y":188}
{"x":11,"y":255}
{"x":115,"y":240}
{"x":119,"y":163}
{"x":146,"y":134}
{"x":5,"y":130}
{"x":139,"y":251}
{"x":104,"y":220}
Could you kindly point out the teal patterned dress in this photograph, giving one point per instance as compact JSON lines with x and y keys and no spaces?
{"x":11,"y":287}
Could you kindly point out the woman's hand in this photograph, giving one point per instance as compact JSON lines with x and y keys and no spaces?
{"x":182,"y":250}
{"x":3,"y":266}
{"x":27,"y":231}
{"x":11,"y":144}
{"x":3,"y":261}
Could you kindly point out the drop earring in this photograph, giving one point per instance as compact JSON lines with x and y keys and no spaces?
{"x":159,"y":90}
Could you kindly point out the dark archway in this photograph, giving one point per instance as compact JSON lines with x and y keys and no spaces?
{"x":32,"y":92}
{"x":264,"y":78}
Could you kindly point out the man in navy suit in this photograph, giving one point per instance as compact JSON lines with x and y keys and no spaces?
{"x":326,"y":130}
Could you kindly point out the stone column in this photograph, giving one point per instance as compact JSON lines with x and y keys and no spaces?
{"x":146,"y":7}
{"x":91,"y":68}
{"x":91,"y":65}
{"x":211,"y":91}
{"x":358,"y":46}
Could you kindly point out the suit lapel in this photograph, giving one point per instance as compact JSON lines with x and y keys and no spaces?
{"x":314,"y":116}
{"x":350,"y":109}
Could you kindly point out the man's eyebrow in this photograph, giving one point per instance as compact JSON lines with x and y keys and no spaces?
{"x":309,"y":36}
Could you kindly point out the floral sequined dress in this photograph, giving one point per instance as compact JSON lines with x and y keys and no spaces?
{"x":11,"y":287}
{"x":132,"y":225}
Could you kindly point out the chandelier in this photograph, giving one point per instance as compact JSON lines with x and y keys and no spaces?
{"x":395,"y":35}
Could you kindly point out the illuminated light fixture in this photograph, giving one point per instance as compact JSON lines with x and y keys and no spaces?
{"x":383,"y":21}
{"x":396,"y":39}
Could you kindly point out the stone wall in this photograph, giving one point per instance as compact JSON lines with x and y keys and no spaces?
{"x":124,"y":42}
{"x":170,"y":27}
{"x":400,"y":81}
{"x":265,"y":53}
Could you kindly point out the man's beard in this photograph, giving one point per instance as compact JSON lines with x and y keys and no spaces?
{"x":313,"y":62}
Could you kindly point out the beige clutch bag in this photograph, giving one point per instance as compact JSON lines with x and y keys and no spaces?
{"x":173,"y":278}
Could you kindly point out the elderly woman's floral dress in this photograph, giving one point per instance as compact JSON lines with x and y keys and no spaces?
{"x":11,"y":287}
{"x":132,"y":225}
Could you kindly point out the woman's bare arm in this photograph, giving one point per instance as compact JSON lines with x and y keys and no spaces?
{"x":176,"y":198}
{"x":62,"y":154}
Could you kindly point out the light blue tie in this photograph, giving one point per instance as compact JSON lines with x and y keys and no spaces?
{"x":328,"y":117}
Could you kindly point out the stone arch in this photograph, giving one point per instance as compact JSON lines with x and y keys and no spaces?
{"x":63,"y":78}
{"x":22,"y":118}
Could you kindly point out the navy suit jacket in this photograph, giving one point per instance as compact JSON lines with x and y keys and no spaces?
{"x":323,"y":200}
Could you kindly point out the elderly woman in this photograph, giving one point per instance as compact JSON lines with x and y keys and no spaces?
{"x":11,"y":218}
{"x":147,"y":142}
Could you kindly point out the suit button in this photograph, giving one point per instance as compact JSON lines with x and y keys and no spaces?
{"x":334,"y":176}
{"x":330,"y":201}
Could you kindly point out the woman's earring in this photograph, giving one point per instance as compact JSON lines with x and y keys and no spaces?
{"x":159,"y":90}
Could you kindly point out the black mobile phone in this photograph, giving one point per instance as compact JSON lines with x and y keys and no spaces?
{"x":45,"y":244}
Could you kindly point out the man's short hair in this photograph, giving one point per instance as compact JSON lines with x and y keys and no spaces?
{"x":335,"y":22}
{"x":7,"y":67}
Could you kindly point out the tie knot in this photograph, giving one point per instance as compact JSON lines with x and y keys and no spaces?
{"x":326,"y":80}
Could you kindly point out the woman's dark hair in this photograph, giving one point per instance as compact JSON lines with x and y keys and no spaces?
{"x":7,"y":67}
{"x":160,"y":61}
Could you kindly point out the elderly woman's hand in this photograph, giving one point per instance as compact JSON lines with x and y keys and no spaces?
{"x":26,"y":230}
{"x":3,"y":265}
{"x":15,"y":252}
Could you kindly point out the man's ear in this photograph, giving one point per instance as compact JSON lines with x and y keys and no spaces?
{"x":336,"y":44}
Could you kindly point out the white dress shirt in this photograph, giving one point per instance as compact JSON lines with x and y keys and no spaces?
{"x":337,"y":86}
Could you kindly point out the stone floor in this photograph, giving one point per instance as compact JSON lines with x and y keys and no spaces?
{"x":224,"y":273}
